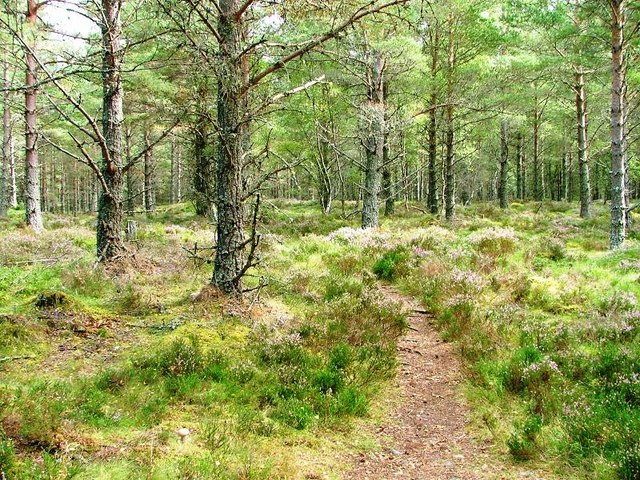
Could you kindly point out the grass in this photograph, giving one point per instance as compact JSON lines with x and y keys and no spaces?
{"x":545,"y":319}
{"x":122,"y":358}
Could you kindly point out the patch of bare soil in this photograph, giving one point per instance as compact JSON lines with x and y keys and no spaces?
{"x":424,"y":435}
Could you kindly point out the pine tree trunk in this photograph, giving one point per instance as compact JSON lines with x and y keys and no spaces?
{"x":229,"y":260}
{"x":325,"y":184}
{"x":6,"y":140}
{"x":618,"y":207}
{"x":172,"y":181}
{"x":131,"y":205}
{"x":374,"y":143}
{"x":519,"y":168}
{"x":387,"y":181}
{"x":449,"y":174}
{"x":203,"y":175}
{"x":581,"y":114}
{"x":432,"y":198}
{"x":503,"y":191}
{"x":33,"y":214}
{"x":109,"y":243}
{"x":149,"y":183}
{"x":538,"y":184}
{"x":179,"y":176}
{"x":13,"y":186}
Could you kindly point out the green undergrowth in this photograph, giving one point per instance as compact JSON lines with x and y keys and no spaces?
{"x":110,"y":362}
{"x":547,"y":322}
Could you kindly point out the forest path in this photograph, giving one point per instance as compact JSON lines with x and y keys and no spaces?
{"x":423,"y":436}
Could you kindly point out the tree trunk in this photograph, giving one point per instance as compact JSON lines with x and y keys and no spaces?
{"x":618,"y":144}
{"x":33,"y":214}
{"x":179,"y":175}
{"x":374,"y":143}
{"x":432,"y":199}
{"x":449,"y":175}
{"x":203,"y":175}
{"x":6,"y":140}
{"x":538,"y":185}
{"x":387,"y":181}
{"x":519,"y":168}
{"x":229,"y":261}
{"x":503,"y":191}
{"x":149,"y":181}
{"x":325,"y":184}
{"x":581,"y":114}
{"x":131,"y":205}
{"x":110,"y":207}
{"x":13,"y":186}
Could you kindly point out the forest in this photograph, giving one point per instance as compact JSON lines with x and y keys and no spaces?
{"x":320,"y":239}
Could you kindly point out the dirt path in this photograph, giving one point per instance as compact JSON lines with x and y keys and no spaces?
{"x":424,"y":435}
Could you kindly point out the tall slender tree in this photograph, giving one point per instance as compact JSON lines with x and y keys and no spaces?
{"x":33,"y":214}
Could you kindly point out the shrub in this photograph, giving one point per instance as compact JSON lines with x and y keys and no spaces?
{"x":494,"y":241}
{"x":294,"y":413}
{"x":392,"y":265}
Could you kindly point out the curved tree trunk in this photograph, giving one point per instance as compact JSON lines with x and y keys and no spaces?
{"x":110,"y":202}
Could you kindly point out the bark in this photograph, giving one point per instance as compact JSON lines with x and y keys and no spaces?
{"x":387,"y":181}
{"x":229,"y":260}
{"x":581,"y":114}
{"x":387,"y":192}
{"x":33,"y":214}
{"x":110,"y":244}
{"x":175,"y":172}
{"x":6,"y":141}
{"x":566,"y":175}
{"x":504,"y":159}
{"x":618,"y":144}
{"x":149,"y":180}
{"x":131,"y":206}
{"x":325,"y":184}
{"x":203,"y":175}
{"x":449,"y":175}
{"x":13,"y":187}
{"x":374,"y":142}
{"x":538,"y":185}
{"x":179,"y":176}
{"x":519,"y":168}
{"x":432,"y":198}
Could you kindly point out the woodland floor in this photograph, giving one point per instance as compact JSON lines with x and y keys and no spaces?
{"x":424,"y":435}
